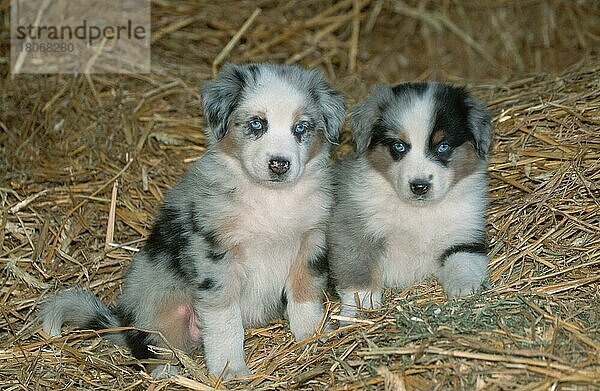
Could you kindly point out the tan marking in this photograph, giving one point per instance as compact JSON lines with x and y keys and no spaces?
{"x":229,"y":144}
{"x":303,"y":284}
{"x":381,"y":160}
{"x":298,"y":113}
{"x":317,"y":140}
{"x":437,"y":137}
{"x":226,"y":232}
{"x":465,"y":161}
{"x":403,"y":136}
{"x":316,"y":146}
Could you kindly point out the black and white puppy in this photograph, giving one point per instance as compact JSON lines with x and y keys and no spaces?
{"x":412,"y":203}
{"x":240,"y":240}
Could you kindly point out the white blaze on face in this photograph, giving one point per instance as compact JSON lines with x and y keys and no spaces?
{"x":278,"y":102}
{"x":417,"y":120}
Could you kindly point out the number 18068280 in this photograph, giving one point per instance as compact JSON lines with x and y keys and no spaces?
{"x":52,"y":47}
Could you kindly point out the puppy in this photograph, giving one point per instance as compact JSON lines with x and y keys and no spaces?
{"x":241,"y":238}
{"x":412,"y":203}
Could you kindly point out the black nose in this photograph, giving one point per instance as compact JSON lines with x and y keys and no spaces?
{"x":419,"y":187}
{"x":279,"y":165}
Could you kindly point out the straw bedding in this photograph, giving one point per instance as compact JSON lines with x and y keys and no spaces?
{"x":85,"y":162}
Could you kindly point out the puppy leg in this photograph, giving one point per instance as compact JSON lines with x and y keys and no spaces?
{"x":305,"y":285}
{"x":463,"y":273}
{"x":223,"y":338}
{"x":354,"y":260}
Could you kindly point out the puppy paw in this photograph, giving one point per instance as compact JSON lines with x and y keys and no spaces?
{"x":305,"y":319}
{"x":461,"y":288}
{"x":463,"y":274}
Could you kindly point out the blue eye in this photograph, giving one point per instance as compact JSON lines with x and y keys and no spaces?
{"x":256,"y":125}
{"x":443,"y":148}
{"x":399,"y":147}
{"x":301,"y":127}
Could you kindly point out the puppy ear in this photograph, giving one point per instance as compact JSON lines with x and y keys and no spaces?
{"x":364,"y":116}
{"x":332,"y":107}
{"x":220,"y":97}
{"x":481,"y":126}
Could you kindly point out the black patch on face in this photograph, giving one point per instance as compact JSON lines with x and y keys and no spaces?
{"x":319,"y":264}
{"x":378,"y":135}
{"x":472,"y":248}
{"x":451,"y":117}
{"x":382,"y":136}
{"x":137,"y":341}
{"x":207,"y":283}
{"x":169,"y":239}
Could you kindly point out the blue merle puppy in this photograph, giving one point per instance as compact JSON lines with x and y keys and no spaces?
{"x":240,"y":240}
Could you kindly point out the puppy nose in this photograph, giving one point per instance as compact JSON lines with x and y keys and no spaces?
{"x":279,"y":165}
{"x":419,"y":187}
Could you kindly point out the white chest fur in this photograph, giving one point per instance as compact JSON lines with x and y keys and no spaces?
{"x":269,"y":229}
{"x":415,"y":236}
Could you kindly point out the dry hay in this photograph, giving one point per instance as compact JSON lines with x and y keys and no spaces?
{"x":77,"y":150}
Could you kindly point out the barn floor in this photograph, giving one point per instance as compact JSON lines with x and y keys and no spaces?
{"x":68,"y":143}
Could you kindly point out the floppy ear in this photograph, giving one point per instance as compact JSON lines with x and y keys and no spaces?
{"x":481,"y":126}
{"x":220,"y":97}
{"x":364,"y":116}
{"x":332,"y":106}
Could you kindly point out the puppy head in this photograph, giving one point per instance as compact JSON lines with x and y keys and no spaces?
{"x":273,"y":119}
{"x":424,"y":138}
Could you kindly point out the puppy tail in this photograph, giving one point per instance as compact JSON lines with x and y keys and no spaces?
{"x":81,"y":309}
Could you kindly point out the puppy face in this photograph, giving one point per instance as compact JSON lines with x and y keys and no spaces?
{"x":424,"y":138}
{"x":272,"y":119}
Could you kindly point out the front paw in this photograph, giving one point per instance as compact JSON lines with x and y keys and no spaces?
{"x":223,"y":337}
{"x":461,"y":288}
{"x":463,"y":274}
{"x":305,"y":319}
{"x":228,"y":370}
